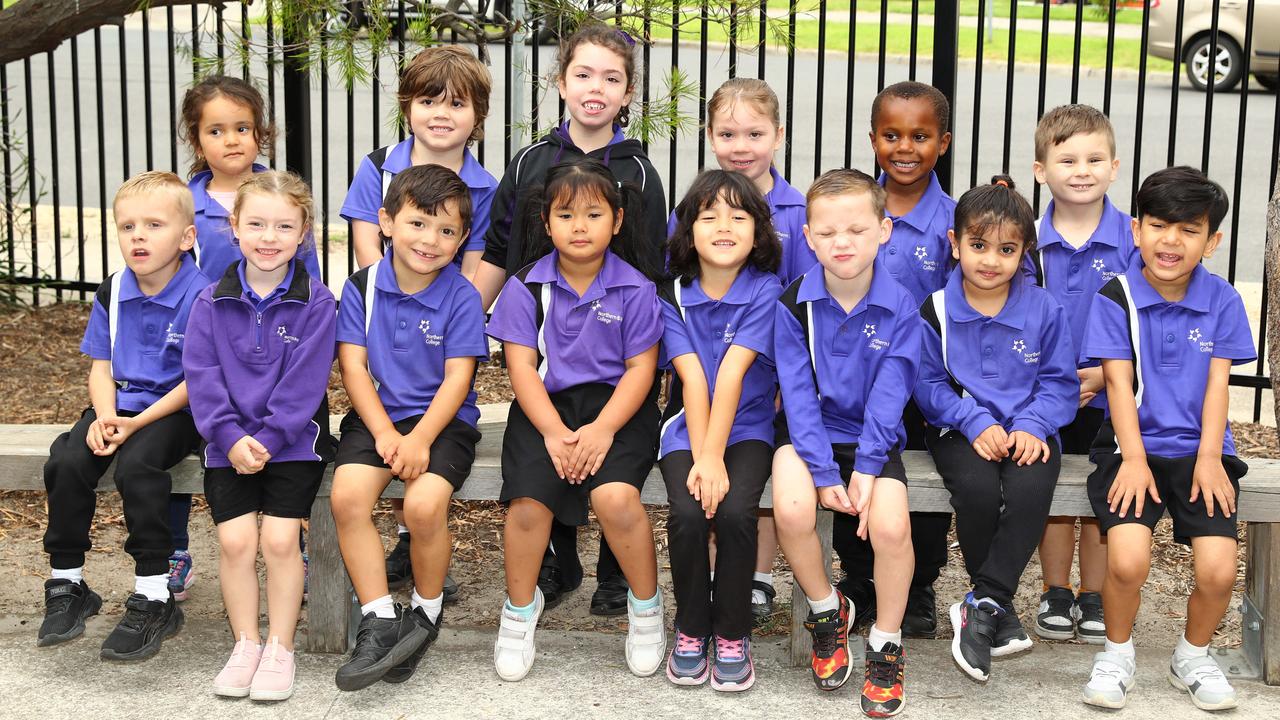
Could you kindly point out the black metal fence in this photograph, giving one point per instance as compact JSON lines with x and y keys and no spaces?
{"x":77,"y":121}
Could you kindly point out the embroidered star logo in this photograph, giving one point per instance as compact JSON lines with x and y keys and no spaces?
{"x":1194,"y":335}
{"x":595,"y":305}
{"x":869,"y":330}
{"x":1019,"y":346}
{"x":1099,"y":265}
{"x":921,"y":252}
{"x":424,"y":326}
{"x":281,"y":331}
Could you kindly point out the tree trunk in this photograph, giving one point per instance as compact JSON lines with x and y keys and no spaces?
{"x":1273,"y":296}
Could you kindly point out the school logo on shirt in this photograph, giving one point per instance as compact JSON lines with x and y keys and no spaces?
{"x":869,"y":330}
{"x":427,"y":336}
{"x":922,"y":255}
{"x":171,"y":337}
{"x":285,"y":337}
{"x":1100,"y":267}
{"x":604,"y":316}
{"x":875,"y":343}
{"x":727,"y":334}
{"x":1020,"y":347}
{"x":1194,"y":336}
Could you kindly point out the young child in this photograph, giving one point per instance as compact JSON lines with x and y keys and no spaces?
{"x":580,"y":330}
{"x":909,"y":123}
{"x":597,"y":81}
{"x":716,"y":443}
{"x":997,"y":380}
{"x":1167,"y":332}
{"x":410,"y":333}
{"x":1084,"y":241}
{"x":257,"y":360}
{"x":444,"y":100}
{"x":137,"y":417}
{"x":846,"y":338}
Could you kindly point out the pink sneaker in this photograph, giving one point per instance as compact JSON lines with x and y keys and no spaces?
{"x":274,"y":679}
{"x":237,"y":675}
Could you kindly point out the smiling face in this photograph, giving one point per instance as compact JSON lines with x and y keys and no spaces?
{"x":582,"y":227}
{"x":1079,"y":170}
{"x":723,"y":236}
{"x":907,"y":140}
{"x":227,"y":140}
{"x":153,"y":234}
{"x":1172,"y":250}
{"x":423,"y":242}
{"x":845,"y":232}
{"x":270,"y":229}
{"x":989,"y":257}
{"x":595,"y":86}
{"x":443,"y":123}
{"x":744,"y":141}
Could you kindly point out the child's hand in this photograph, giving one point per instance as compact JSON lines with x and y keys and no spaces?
{"x":1091,"y":383}
{"x":1026,"y":448}
{"x":861,"y":485}
{"x":992,"y":444}
{"x":411,"y":459}
{"x":117,"y":429}
{"x":593,"y":443}
{"x":387,"y":445}
{"x":709,"y":483}
{"x":834,"y":497}
{"x":96,"y":438}
{"x":1210,"y":479}
{"x":1133,"y":483}
{"x":247,"y":456}
{"x":560,"y":446}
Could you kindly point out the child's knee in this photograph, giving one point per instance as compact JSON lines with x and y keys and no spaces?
{"x":1216,"y":578}
{"x":1129,"y":568}
{"x":792,"y":516}
{"x":280,"y":545}
{"x":525,"y":515}
{"x":891,"y":536}
{"x":425,"y":518}
{"x":239,"y":547}
{"x":617,"y":505}
{"x":349,"y":505}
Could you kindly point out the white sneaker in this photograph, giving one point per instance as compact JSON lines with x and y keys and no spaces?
{"x":1204,"y":682}
{"x":646,"y":639}
{"x":1110,"y":680}
{"x":513,"y":652}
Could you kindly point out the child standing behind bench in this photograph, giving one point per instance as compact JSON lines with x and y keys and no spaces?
{"x":138,"y":416}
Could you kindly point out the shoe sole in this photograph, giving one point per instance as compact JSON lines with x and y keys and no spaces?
{"x":150,"y":649}
{"x":848,"y":670}
{"x":684,"y":681}
{"x":231,"y":692}
{"x":608,"y":611}
{"x":1177,"y":683}
{"x":1013,"y":647}
{"x":1104,"y":702}
{"x":1048,"y":633}
{"x":958,"y":656}
{"x":733,"y":686}
{"x":537,"y":615}
{"x":1098,"y":639}
{"x":271,"y":695}
{"x":181,"y":593}
{"x":901,"y":706}
{"x":91,"y":608}
{"x":359,"y":680}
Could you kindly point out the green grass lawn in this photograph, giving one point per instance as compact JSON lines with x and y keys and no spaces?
{"x":1000,"y":8}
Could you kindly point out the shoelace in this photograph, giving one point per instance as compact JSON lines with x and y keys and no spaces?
{"x":689,"y":645}
{"x":731,"y":650}
{"x":825,"y":642}
{"x":882,"y":674}
{"x":134,"y":619}
{"x":177,"y":567}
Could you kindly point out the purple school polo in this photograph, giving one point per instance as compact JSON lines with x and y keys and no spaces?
{"x":918,"y":254}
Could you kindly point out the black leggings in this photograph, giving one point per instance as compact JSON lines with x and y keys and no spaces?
{"x":728,"y":612}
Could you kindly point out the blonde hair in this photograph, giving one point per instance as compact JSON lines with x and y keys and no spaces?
{"x":1065,"y":122}
{"x":282,"y":184}
{"x":847,"y":182}
{"x":756,"y":93}
{"x":159,"y":183}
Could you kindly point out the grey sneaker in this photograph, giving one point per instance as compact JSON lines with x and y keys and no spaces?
{"x":1056,"y":620}
{"x":1204,"y":682}
{"x":1091,"y":627}
{"x":1110,"y":680}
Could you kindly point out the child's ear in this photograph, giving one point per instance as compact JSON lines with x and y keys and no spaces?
{"x":1037,"y":169}
{"x":617,"y":221}
{"x":955,"y":244}
{"x":808,"y":240}
{"x":1211,"y":246}
{"x":946,"y":144}
{"x":385,"y":222}
{"x":1115,"y":169}
{"x":1135,"y":226}
{"x":189,"y":238}
{"x":886,"y":230}
{"x":782,"y":138}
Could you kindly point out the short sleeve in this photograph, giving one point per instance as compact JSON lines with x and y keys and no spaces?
{"x":364,"y":197}
{"x":675,"y":336}
{"x":1233,"y":339}
{"x":464,"y":334}
{"x":755,"y":331}
{"x":351,"y":316}
{"x":515,"y":316}
{"x":97,"y":334}
{"x":643,"y":325}
{"x":1106,"y":335}
{"x":481,"y":201}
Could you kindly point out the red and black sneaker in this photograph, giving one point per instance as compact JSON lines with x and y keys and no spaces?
{"x":882,"y":693}
{"x":830,"y":632}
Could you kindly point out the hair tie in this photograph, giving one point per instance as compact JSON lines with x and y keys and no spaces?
{"x":626,"y":37}
{"x":1002,"y":182}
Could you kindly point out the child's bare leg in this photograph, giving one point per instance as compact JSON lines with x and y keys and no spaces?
{"x":766,"y":542}
{"x":1093,"y":555}
{"x":1128,"y":564}
{"x":795,"y":502}
{"x":238,"y":574}
{"x":284,"y":576}
{"x":1215,"y":563}
{"x":426,"y":514}
{"x":626,"y":528}
{"x":356,"y":489}
{"x":527,"y":531}
{"x":889,"y":528}
{"x":1057,"y":547}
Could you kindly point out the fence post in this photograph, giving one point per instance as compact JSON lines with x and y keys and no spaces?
{"x":297,"y":91}
{"x":946,"y":51}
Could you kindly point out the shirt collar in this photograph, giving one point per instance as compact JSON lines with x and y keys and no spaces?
{"x":1049,"y":235}
{"x":400,"y":158}
{"x":740,"y":291}
{"x":922,"y":214}
{"x":618,"y":135}
{"x":432,"y":296}
{"x":173,"y":291}
{"x":203,"y":202}
{"x":1198,"y":296}
{"x":296,"y":284}
{"x":614,"y":273}
{"x":814,"y":287}
{"x":782,"y":194}
{"x":1012,"y":315}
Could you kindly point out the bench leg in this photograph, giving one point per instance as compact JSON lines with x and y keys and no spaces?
{"x":801,"y":643}
{"x":329,"y":596}
{"x":1262,"y":593}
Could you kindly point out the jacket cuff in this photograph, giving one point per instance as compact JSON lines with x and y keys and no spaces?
{"x":272,"y":439}
{"x":973,"y":428}
{"x":826,"y":477}
{"x":226,"y":436}
{"x":868,"y":465}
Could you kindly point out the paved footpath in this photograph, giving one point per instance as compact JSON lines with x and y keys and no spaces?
{"x":577,"y":676}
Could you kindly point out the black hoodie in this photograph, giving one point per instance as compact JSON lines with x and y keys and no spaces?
{"x":504,"y":242}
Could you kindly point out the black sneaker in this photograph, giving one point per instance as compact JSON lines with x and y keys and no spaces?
{"x":610,"y":597}
{"x":551,"y":582}
{"x":761,"y":611}
{"x":974,"y":623}
{"x":405,"y":670}
{"x":1055,"y":620}
{"x":381,"y":644}
{"x":862,"y":595}
{"x":1091,"y":626}
{"x":146,"y":623}
{"x":829,"y":662}
{"x":66,"y":605}
{"x":921,"y":618}
{"x":1010,"y":637}
{"x":451,"y":589}
{"x":399,"y":566}
{"x":882,"y":687}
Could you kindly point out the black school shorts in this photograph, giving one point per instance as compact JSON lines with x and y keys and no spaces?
{"x":283,"y":489}
{"x":452,"y":453}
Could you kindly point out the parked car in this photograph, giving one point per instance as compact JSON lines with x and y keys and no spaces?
{"x":1228,"y":65}
{"x":403,"y":12}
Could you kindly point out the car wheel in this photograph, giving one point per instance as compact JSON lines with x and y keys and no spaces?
{"x":1226,"y":68}
{"x":1270,"y":82}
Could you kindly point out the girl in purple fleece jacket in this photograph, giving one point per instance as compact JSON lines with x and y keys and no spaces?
{"x":259,"y":347}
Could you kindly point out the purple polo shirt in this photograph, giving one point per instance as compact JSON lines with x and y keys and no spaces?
{"x":145,"y":344}
{"x":707,"y":328}
{"x":583,"y":339}
{"x":411,"y":336}
{"x":1176,"y":341}
{"x":364,"y":198}
{"x":216,"y":244}
{"x":865,"y":367}
{"x":1017,"y":369}
{"x":918,"y":254}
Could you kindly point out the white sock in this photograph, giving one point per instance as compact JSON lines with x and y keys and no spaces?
{"x":1124,"y":648}
{"x":155,"y":587}
{"x":878,"y":638}
{"x":430,"y":606}
{"x":766,"y":578}
{"x":75,"y":575}
{"x":402,"y":530}
{"x":827,"y":604}
{"x":381,"y":607}
{"x":1186,"y":651}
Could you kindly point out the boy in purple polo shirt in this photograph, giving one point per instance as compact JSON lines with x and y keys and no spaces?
{"x":1084,"y":241}
{"x":846,"y":340}
{"x":410,"y":332}
{"x":1167,"y":332}
{"x":138,"y":416}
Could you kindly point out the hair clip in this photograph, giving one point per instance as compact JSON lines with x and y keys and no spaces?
{"x":1002,"y":183}
{"x":626,"y":36}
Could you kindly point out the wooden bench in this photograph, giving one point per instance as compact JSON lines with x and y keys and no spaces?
{"x":24,"y":449}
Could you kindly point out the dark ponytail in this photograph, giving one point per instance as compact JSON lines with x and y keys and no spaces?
{"x":995,"y":205}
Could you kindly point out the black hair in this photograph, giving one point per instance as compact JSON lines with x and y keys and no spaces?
{"x":588,"y":177}
{"x":738,"y":192}
{"x":1182,"y":193}
{"x":428,"y":188}
{"x":910,"y":90}
{"x":995,"y":205}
